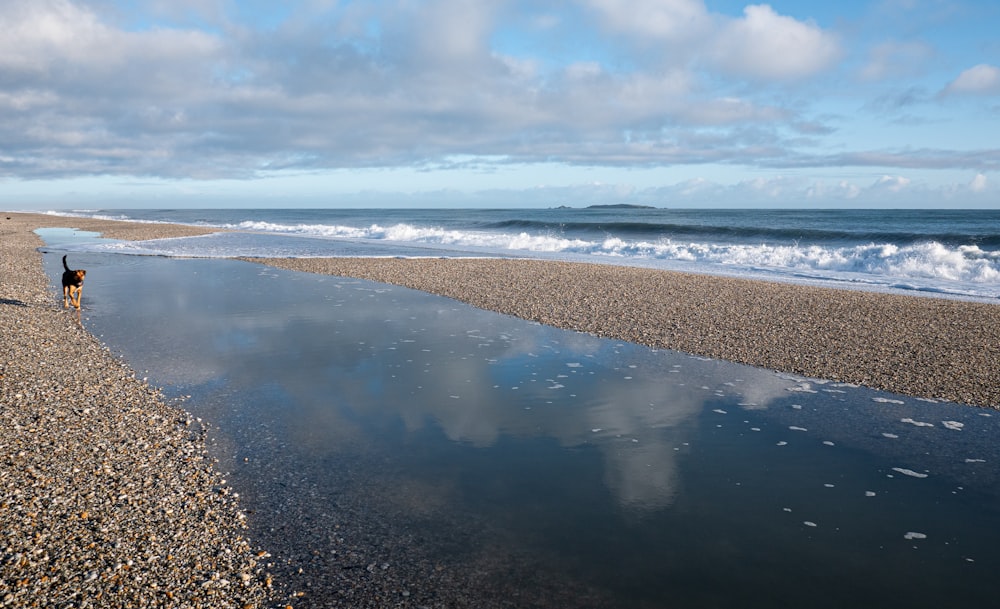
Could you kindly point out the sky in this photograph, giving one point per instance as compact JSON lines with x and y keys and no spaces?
{"x":499,"y":103}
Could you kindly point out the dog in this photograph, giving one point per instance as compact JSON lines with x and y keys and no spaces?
{"x":72,"y":286}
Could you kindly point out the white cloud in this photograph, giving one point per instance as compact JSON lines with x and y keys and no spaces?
{"x":841,"y":190}
{"x":665,"y":20}
{"x":768,"y":46}
{"x":770,"y":188}
{"x":36,"y":33}
{"x":978,"y":183}
{"x":90,"y":74}
{"x":57,"y":38}
{"x":731,"y":110}
{"x":450,"y":31}
{"x":762,"y":45}
{"x":891,"y":183}
{"x":982,"y":79}
{"x":407,"y":83}
{"x":894,"y":60}
{"x":696,"y":186}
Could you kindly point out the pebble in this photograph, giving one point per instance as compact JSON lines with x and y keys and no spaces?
{"x":106,"y":492}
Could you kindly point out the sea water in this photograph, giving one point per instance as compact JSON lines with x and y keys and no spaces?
{"x":952,"y":253}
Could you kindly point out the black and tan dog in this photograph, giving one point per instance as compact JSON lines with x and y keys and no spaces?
{"x":72,"y":285}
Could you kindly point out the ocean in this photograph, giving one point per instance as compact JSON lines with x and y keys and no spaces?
{"x":954,"y":253}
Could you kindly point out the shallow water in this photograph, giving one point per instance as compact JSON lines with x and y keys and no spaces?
{"x":399,"y":447}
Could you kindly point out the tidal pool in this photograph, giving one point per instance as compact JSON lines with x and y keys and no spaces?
{"x":396,"y":448}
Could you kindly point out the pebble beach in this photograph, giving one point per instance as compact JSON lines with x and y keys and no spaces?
{"x":108,"y":497}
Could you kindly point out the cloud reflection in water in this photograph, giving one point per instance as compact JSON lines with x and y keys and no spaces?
{"x":344,"y":360}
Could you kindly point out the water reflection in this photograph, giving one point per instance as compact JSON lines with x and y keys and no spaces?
{"x":559,"y":465}
{"x":353,"y":362}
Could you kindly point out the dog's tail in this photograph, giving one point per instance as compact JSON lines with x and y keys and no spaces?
{"x":66,"y":266}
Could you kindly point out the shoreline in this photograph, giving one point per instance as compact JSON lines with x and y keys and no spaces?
{"x":107,"y":494}
{"x":933,"y":348}
{"x":920,"y":346}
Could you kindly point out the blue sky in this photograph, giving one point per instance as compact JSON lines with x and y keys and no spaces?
{"x":676,"y":103}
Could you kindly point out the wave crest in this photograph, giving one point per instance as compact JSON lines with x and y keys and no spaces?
{"x":928,"y":260}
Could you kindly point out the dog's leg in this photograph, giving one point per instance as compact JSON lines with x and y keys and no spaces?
{"x":65,"y":294}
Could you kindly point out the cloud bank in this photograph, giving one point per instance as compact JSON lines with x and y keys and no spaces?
{"x":210,"y":90}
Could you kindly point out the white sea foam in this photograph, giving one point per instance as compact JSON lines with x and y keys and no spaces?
{"x":803,"y":388}
{"x":914,"y":535}
{"x":955,"y":425}
{"x":931,"y":260}
{"x":916,"y":423}
{"x":888,"y":401}
{"x":909,"y":472}
{"x":962,"y":270}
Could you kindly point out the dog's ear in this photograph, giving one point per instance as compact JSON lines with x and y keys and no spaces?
{"x":83,"y":273}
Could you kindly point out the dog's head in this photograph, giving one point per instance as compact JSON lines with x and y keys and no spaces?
{"x":78,"y":276}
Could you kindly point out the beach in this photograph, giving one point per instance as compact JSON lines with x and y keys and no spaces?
{"x":107,"y":495}
{"x":920,"y":346}
{"x":94,"y":454}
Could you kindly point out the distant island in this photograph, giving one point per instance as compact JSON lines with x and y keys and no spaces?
{"x":612,"y":206}
{"x":620,"y":206}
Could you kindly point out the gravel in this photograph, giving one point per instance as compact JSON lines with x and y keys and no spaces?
{"x":107,"y":495}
